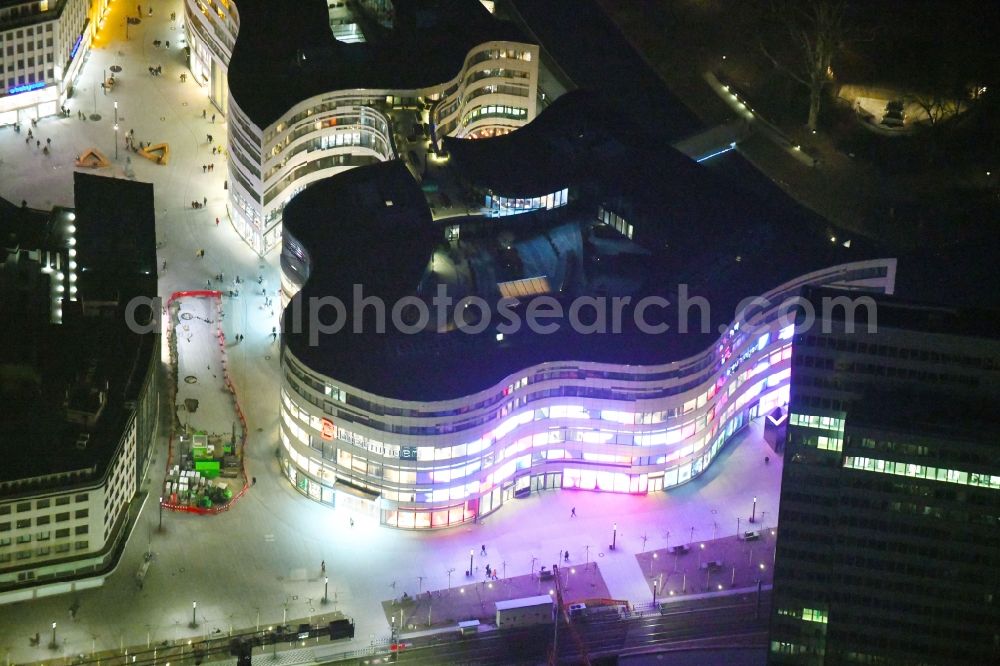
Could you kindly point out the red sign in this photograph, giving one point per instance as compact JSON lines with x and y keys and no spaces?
{"x":329,"y":430}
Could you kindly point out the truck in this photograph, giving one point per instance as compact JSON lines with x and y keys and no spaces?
{"x":525,"y":612}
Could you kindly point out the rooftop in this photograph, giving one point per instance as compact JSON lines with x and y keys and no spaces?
{"x":427,"y":46}
{"x":904,"y":314}
{"x":63,"y":394}
{"x":691,"y":228}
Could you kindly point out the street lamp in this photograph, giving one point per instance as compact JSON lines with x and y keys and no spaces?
{"x":116,"y":129}
{"x":753,"y":514}
{"x":654,"y":591}
{"x":471,"y":554}
{"x":54,"y":644}
{"x":160,"y":528}
{"x":614,"y":536}
{"x":326,"y":589}
{"x":194,"y":614}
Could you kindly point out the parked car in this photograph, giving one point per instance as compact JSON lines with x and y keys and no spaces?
{"x":894,"y":115}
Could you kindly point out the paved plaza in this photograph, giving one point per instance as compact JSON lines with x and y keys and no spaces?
{"x":260,"y":562}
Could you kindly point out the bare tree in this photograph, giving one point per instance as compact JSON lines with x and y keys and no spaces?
{"x":815,"y":33}
{"x":937,"y":105}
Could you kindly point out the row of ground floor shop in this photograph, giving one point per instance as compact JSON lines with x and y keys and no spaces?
{"x":360,"y":501}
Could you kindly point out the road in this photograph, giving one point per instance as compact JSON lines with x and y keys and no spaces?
{"x":717,"y":621}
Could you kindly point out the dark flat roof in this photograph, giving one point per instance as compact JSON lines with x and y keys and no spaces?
{"x":699,"y":229}
{"x":272,"y":71}
{"x":578,"y":140}
{"x":115,"y":232}
{"x":595,"y":54}
{"x":896,"y":313}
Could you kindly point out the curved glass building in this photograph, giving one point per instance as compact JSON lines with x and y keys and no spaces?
{"x":418,"y":384}
{"x":417,"y":73}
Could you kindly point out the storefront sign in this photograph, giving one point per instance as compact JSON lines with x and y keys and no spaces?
{"x":328,"y":431}
{"x":26,"y":87}
{"x":76,"y":46}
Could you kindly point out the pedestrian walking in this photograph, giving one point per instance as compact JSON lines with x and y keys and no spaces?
{"x":211,"y":167}
{"x":254,"y":483}
{"x":213,"y":117}
{"x":217,"y":224}
{"x":204,"y":201}
{"x":352,"y":522}
{"x":138,"y":10}
{"x":572,"y":512}
{"x":38,"y":144}
{"x":203,"y":112}
{"x":204,"y":168}
{"x":168,"y":45}
{"x":482,"y":551}
{"x":48,"y":142}
{"x":322,"y":566}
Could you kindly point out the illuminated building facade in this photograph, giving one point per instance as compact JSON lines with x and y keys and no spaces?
{"x":588,"y":426}
{"x":210,"y":29}
{"x":890,"y":500}
{"x":432,"y":427}
{"x":337,"y":95}
{"x":42,"y":46}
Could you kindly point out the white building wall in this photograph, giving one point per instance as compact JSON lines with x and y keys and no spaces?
{"x":42,"y":45}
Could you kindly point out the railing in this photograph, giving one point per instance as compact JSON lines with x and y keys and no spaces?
{"x":221,"y":336}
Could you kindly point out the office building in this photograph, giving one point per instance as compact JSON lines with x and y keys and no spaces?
{"x":43,"y":44}
{"x":79,"y":389}
{"x":888,"y":540}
